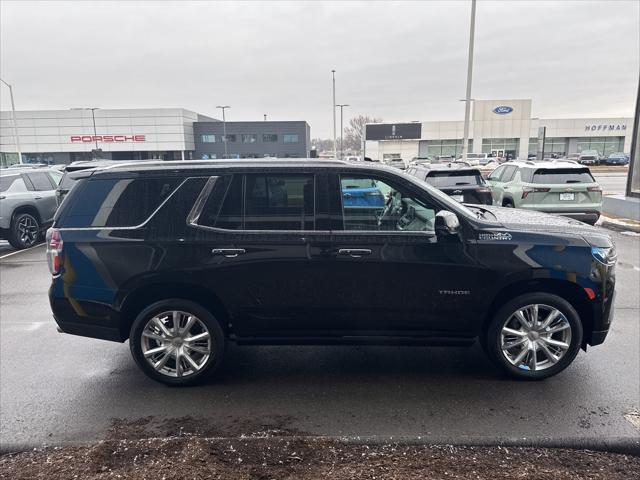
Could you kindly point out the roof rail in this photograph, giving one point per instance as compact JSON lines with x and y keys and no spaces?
{"x":265,"y":160}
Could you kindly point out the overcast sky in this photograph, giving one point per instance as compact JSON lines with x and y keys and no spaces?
{"x":397,"y":61}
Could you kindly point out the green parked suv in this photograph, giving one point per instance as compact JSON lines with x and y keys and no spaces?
{"x":559,"y":187}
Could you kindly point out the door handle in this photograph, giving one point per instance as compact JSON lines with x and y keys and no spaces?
{"x":228,"y":252}
{"x":354,"y":252}
{"x":37,"y":198}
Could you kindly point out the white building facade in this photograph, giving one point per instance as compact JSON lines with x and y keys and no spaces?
{"x":63,"y":136}
{"x":502,"y":128}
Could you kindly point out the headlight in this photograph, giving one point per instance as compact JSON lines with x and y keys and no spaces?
{"x":606,"y":256}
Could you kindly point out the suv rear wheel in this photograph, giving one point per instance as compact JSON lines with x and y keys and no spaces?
{"x":177,"y":342}
{"x":534,"y":336}
{"x":24,"y":231}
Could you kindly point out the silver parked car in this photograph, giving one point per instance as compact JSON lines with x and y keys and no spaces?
{"x":27,"y":204}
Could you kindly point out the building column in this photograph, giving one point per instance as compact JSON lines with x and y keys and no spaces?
{"x":182,"y":153}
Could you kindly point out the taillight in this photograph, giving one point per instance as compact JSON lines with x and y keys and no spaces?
{"x":597,"y":188}
{"x":54,"y":251}
{"x":527,"y":190}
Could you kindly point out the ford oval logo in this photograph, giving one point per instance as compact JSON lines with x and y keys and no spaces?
{"x":503,"y":109}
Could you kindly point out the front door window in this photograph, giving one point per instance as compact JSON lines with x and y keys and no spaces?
{"x":371,"y":204}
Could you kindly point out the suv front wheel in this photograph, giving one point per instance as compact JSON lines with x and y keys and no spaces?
{"x":534,"y":336}
{"x":177,"y":342}
{"x":25,"y":231}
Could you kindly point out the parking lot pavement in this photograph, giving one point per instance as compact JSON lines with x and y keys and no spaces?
{"x":59,"y":388}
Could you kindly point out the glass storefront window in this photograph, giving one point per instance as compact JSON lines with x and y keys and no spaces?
{"x":249,"y":138}
{"x":505,"y":146}
{"x":208,"y":138}
{"x":443,"y":147}
{"x":604,"y":145}
{"x":290,"y":138}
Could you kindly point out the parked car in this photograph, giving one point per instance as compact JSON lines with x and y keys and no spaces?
{"x":618,"y":158}
{"x":558,"y":187}
{"x":589,"y":157}
{"x":462,"y":183}
{"x":397,"y":163}
{"x":478,"y":158}
{"x":575,"y":157}
{"x":27,"y":204}
{"x":181,"y":258}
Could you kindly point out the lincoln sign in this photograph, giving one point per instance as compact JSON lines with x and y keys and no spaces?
{"x":107,"y":138}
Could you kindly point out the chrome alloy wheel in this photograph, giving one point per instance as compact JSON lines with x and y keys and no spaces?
{"x":28,"y":230}
{"x":535,"y":337}
{"x":176,"y":343}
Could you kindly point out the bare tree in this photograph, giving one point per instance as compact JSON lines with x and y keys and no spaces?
{"x":322,"y":144}
{"x":355,"y":129}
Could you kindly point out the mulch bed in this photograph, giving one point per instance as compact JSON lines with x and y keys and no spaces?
{"x":303,"y":458}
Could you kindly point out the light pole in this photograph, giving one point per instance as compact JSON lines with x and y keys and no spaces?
{"x":333,"y":73}
{"x":341,"y":131}
{"x":265,"y":117}
{"x":14,"y":121}
{"x":467,"y":104}
{"x":224,"y":127}
{"x":93,"y":118}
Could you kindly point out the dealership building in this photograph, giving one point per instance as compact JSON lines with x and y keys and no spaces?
{"x":64,"y":136}
{"x":501,"y":128}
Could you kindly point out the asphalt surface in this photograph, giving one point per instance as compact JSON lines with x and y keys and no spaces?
{"x":57,"y":388}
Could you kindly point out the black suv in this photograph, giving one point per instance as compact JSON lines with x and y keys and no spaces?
{"x":182,"y":257}
{"x":458,"y":180}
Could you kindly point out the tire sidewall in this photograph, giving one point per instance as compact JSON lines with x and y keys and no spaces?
{"x":14,"y":238}
{"x":212,"y":324}
{"x":492,"y":339}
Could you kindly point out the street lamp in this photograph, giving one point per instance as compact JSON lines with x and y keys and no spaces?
{"x":14,"y":121}
{"x":467,"y":105}
{"x":341,"y":131}
{"x":333,"y":73}
{"x":93,"y":117}
{"x":224,"y":127}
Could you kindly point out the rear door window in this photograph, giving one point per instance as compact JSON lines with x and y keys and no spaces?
{"x":496,"y":174}
{"x":117,"y":202}
{"x":40,"y":181}
{"x":508,"y":174}
{"x":454,"y":179}
{"x":279,"y":202}
{"x":262,"y":202}
{"x":563,"y":175}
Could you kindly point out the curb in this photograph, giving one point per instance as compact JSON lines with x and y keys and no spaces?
{"x":620,"y":445}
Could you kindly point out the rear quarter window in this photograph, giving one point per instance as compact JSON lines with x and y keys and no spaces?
{"x":563,"y":175}
{"x":121,"y":202}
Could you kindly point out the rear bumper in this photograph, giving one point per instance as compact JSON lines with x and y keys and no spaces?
{"x":85,"y":320}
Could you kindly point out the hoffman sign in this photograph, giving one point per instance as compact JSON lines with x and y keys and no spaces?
{"x":107,"y":138}
{"x":602,"y":127}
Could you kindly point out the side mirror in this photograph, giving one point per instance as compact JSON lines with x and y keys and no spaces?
{"x":446,"y":223}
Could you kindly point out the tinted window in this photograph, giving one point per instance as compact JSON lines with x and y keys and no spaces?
{"x":40,"y":181}
{"x":117,"y":202}
{"x":373,"y":205}
{"x":452,"y":179}
{"x":563,"y":175}
{"x":269,"y":137}
{"x":290,"y":138}
{"x":223,"y":208}
{"x":279,"y":202}
{"x":13,"y":183}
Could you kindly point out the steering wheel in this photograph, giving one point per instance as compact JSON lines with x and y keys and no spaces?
{"x":393,"y":205}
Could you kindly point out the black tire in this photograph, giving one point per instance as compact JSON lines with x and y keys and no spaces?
{"x":216,"y":334}
{"x":493,"y":337}
{"x":24,"y":231}
{"x":508,"y":203}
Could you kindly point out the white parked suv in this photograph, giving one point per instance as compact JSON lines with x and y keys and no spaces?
{"x":478,"y":158}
